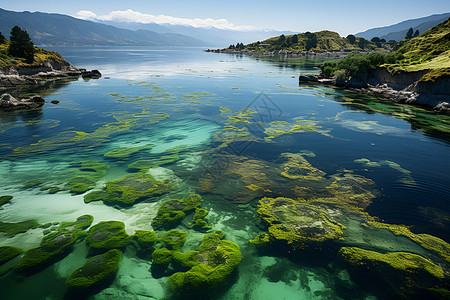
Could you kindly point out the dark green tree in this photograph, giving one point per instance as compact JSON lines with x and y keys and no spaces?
{"x":416,"y":34}
{"x":310,"y":41}
{"x":21,"y":45}
{"x":2,"y":38}
{"x":362,"y":42}
{"x":294,"y":39}
{"x":409,"y":34}
{"x":281,"y":39}
{"x":377,"y":41}
{"x":383,"y":40}
{"x":351,"y":38}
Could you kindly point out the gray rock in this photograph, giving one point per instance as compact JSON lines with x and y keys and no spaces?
{"x":90,"y":74}
{"x":443,"y":108}
{"x":8,"y":102}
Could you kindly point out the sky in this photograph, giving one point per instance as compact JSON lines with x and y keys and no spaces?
{"x":343,"y":16}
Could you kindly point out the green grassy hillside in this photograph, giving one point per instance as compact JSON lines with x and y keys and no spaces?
{"x":40,"y":56}
{"x":317,"y":41}
{"x":429,"y":51}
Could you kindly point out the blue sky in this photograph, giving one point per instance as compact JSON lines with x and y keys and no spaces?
{"x":343,"y":16}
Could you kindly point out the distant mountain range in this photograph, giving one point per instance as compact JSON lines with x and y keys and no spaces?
{"x":214,"y":36}
{"x":398,"y":31}
{"x":62,"y":30}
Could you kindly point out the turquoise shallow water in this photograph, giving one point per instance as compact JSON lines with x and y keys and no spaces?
{"x":182,"y":98}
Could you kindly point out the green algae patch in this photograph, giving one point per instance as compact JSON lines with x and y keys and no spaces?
{"x":54,"y":247}
{"x":405,"y":274}
{"x":5,"y":199}
{"x":13,"y":229}
{"x":162,"y":257}
{"x":121,"y":153}
{"x":171,"y":212}
{"x":33,"y":183}
{"x":278,"y":128}
{"x":297,"y":167}
{"x":129,"y":190}
{"x":80,"y":184}
{"x":199,"y":219}
{"x":239,"y":179}
{"x":211,"y":266}
{"x":298,"y":224}
{"x":7,"y":253}
{"x":124,"y":122}
{"x":96,"y":271}
{"x":427,"y":241}
{"x":82,"y":223}
{"x":146,"y":241}
{"x":107,"y":235}
{"x":173,"y":239}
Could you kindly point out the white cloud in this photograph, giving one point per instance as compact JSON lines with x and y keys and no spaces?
{"x":132,"y":16}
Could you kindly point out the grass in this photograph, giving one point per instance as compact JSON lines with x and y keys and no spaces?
{"x":40,"y":56}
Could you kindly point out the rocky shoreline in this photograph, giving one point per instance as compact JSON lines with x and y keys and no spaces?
{"x":51,"y":69}
{"x":289,"y":53}
{"x":36,"y":75}
{"x":404,"y":87}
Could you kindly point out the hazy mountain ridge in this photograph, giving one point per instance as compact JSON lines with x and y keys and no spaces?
{"x":63,"y":30}
{"x":398,"y":31}
{"x":214,"y":36}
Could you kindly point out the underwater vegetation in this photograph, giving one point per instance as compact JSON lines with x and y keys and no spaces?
{"x":107,"y":235}
{"x":54,"y":246}
{"x":129,"y":190}
{"x":172,"y":212}
{"x":95,"y":271}
{"x":299,"y":225}
{"x":406,"y":275}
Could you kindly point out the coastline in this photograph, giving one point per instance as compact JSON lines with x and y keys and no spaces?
{"x":404,"y":87}
{"x":15,"y":77}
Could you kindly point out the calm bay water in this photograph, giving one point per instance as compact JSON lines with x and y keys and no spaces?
{"x":183,"y":97}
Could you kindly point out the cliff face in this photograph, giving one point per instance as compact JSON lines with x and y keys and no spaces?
{"x":397,"y":81}
{"x":440,"y":86}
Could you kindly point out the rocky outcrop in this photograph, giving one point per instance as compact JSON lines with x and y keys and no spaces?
{"x":403,"y":87}
{"x":8,"y":102}
{"x":51,"y":69}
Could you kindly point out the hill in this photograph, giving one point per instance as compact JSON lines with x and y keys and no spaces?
{"x":398,"y":31}
{"x":61,"y":30}
{"x":429,"y":51}
{"x":317,"y":41}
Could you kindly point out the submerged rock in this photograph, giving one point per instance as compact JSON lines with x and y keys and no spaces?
{"x":208,"y":268}
{"x":97,"y":271}
{"x":396,"y":274}
{"x":107,"y":235}
{"x":8,"y":102}
{"x":12,"y":229}
{"x":145,"y":238}
{"x":297,"y":223}
{"x":174,"y":239}
{"x":7,"y":253}
{"x":54,"y":246}
{"x":128,"y":190}
{"x":5,"y":199}
{"x":171,"y":212}
{"x":90,"y":74}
